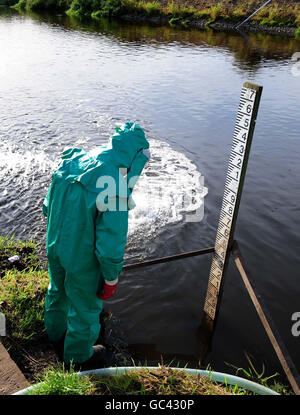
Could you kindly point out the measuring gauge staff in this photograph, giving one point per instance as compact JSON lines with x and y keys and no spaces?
{"x":242,"y":137}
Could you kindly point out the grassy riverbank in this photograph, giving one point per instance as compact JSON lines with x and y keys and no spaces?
{"x":23,"y":286}
{"x":280,"y":14}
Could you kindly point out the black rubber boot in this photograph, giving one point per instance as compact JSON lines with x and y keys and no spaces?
{"x":97,"y":361}
{"x":58,"y":347}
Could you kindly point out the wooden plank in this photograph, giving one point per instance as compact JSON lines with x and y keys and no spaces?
{"x":271,"y":330}
{"x":11,"y":378}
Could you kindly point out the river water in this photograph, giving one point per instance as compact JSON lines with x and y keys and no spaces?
{"x":65,"y":83}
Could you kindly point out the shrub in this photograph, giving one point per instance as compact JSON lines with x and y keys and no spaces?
{"x":95,"y":8}
{"x":110,"y":8}
{"x":152,"y":8}
{"x":38,"y":5}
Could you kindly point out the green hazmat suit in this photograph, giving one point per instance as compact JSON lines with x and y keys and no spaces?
{"x":87,"y":221}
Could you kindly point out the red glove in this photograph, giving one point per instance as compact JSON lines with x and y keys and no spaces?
{"x":109,"y":289}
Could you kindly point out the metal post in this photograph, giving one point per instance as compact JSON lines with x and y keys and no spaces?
{"x":168,"y":258}
{"x":246,"y":20}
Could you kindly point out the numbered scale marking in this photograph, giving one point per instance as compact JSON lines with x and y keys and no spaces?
{"x":242,"y":137}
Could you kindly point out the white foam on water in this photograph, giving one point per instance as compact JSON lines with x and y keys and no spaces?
{"x":169,"y":188}
{"x":23,"y":168}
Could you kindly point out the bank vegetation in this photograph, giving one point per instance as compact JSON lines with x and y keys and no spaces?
{"x":194,"y":13}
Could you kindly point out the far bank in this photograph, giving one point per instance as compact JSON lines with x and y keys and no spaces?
{"x":281,"y":17}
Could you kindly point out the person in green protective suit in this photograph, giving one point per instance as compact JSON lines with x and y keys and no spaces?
{"x":87,"y":220}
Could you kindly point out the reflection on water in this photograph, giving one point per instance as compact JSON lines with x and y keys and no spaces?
{"x":67,"y":83}
{"x":249,"y":50}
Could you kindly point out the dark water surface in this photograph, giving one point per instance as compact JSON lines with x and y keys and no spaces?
{"x":67,"y":83}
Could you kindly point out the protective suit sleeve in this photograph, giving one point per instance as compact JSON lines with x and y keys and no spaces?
{"x":45,"y":204}
{"x":47,"y":200}
{"x":111,"y":238}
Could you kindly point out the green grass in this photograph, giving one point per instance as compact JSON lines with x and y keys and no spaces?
{"x":251,"y":373}
{"x":62,"y":382}
{"x":8,"y":244}
{"x":160,"y":381}
{"x":276,"y":15}
{"x":22,"y":300}
{"x":22,"y":290}
{"x":40,"y":5}
{"x":27,"y":251}
{"x":140,"y":7}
